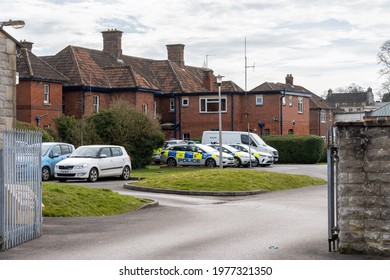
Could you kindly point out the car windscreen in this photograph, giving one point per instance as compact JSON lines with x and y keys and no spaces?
{"x":85,"y":152}
{"x":45,"y":148}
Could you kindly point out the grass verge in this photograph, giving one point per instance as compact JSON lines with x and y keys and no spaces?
{"x":217,"y":180}
{"x":63,"y":200}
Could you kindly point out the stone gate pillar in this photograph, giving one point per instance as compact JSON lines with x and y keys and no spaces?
{"x":364,"y":187}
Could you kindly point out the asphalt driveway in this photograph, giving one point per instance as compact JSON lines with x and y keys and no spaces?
{"x":277,"y":226}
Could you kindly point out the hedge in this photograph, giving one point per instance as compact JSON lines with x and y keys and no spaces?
{"x":297,"y":148}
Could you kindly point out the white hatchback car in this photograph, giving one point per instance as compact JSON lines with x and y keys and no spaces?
{"x":94,"y":161}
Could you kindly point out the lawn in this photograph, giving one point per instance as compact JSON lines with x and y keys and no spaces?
{"x":220,"y":180}
{"x":64,"y":200}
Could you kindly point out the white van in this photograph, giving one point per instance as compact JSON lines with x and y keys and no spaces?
{"x":239,"y":137}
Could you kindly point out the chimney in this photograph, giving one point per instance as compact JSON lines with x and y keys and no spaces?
{"x":27,"y":44}
{"x":329,"y":93}
{"x":176,"y":54}
{"x":290,"y":79}
{"x":112,"y":42}
{"x":208,"y":79}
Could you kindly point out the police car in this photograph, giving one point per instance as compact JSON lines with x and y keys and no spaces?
{"x":241,"y":158}
{"x":262,"y":158}
{"x":194,"y":154}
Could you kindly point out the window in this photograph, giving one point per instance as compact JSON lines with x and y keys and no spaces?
{"x":65,"y":149}
{"x":259,"y":99}
{"x":145,"y":108}
{"x":185,"y":102}
{"x":105,"y":151}
{"x":211,"y":105}
{"x":171,"y":105}
{"x":300,"y":105}
{"x":155,"y":109}
{"x":290,"y":131}
{"x":46,"y":94}
{"x":187,"y":136}
{"x":267,"y":131}
{"x":96,"y":104}
{"x":116,"y":152}
{"x":323,"y":116}
{"x":290,"y":101}
{"x":56,"y":150}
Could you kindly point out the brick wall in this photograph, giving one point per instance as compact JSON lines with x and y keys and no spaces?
{"x":30,"y":102}
{"x":363,"y":187}
{"x":243,"y":110}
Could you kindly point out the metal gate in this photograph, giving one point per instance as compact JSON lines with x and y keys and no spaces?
{"x":332,"y":158}
{"x":20,"y":188}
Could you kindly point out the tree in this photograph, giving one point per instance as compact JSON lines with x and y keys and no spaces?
{"x":125,"y":126}
{"x":352,"y":88}
{"x":384,"y":60}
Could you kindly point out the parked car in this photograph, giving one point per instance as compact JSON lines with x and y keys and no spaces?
{"x":240,"y":137}
{"x":194,"y":154}
{"x":241,"y":158}
{"x":157,"y":152}
{"x":262,"y":158}
{"x":93,"y":162}
{"x":53,"y":153}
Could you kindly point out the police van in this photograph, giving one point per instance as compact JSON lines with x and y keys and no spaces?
{"x":240,"y":137}
{"x":194,"y":154}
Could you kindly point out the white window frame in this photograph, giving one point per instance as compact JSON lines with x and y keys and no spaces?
{"x":171,"y":105}
{"x":154,"y":109}
{"x":323,"y":116}
{"x":284,"y":100}
{"x":185,"y":102}
{"x":210,"y":100}
{"x":96,"y":103}
{"x":259,"y":99}
{"x":290,"y":101}
{"x":300,"y":105}
{"x":145,"y":108}
{"x":46,"y":94}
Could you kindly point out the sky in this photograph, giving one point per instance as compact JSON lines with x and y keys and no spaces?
{"x":324,"y":44}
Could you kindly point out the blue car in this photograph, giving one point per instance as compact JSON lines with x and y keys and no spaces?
{"x":52,"y":153}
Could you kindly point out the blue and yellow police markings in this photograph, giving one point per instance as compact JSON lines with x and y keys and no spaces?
{"x":186,"y":157}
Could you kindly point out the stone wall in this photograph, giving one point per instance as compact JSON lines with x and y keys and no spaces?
{"x":7,"y":84}
{"x":364,"y":187}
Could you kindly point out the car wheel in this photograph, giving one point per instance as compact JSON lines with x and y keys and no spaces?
{"x":256,"y":163}
{"x":62,"y":180}
{"x":45,"y":173}
{"x":171,"y":162}
{"x":126,"y":173}
{"x":237,"y":162}
{"x":210,"y":162}
{"x":93,"y":175}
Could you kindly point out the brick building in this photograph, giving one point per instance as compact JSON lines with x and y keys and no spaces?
{"x":321,"y":116}
{"x":39,"y":92}
{"x":183,"y":98}
{"x":282,"y":108}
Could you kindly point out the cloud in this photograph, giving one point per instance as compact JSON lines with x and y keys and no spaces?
{"x":321,"y":43}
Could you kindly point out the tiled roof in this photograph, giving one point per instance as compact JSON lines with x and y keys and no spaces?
{"x":350,"y":99}
{"x":30,"y":66}
{"x":280,"y":86}
{"x":320,"y":103}
{"x":88,"y":67}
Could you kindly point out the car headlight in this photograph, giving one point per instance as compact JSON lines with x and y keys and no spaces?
{"x":80,"y":166}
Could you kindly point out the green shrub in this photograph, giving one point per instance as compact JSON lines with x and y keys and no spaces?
{"x":297,"y":148}
{"x":46,"y":136}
